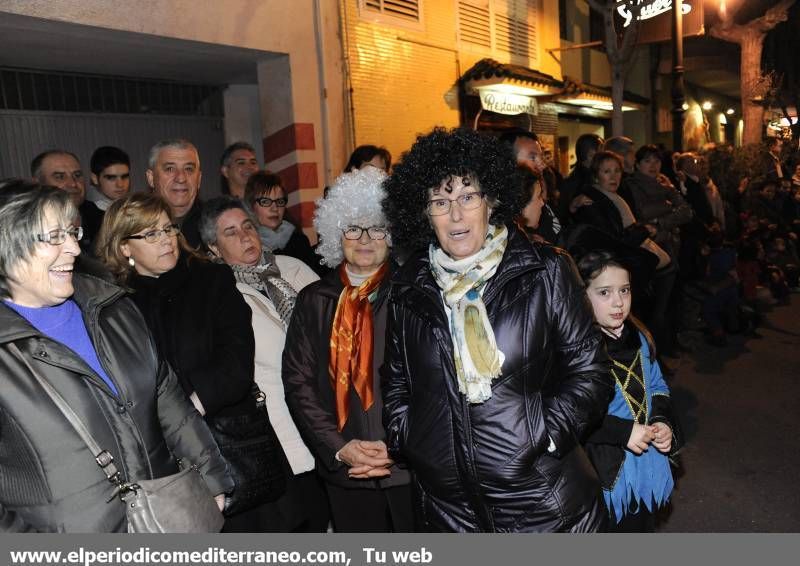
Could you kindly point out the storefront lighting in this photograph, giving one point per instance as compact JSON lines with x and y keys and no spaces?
{"x":685,"y":106}
{"x":730,"y":111}
{"x":707,"y":105}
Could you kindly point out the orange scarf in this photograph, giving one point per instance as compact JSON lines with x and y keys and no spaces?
{"x":351,"y":343}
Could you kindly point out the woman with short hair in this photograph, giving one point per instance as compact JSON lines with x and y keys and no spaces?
{"x":266,"y":197}
{"x":199,"y":319}
{"x":269,"y":284}
{"x":494,"y":369}
{"x":334,"y":348}
{"x":92,"y":345}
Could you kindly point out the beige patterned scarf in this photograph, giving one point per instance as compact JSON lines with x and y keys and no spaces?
{"x":477,"y":358}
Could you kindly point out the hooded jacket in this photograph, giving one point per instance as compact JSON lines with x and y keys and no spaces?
{"x":49,"y":479}
{"x":487,"y":467}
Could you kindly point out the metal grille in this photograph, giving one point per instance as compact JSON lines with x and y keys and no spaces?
{"x":24,"y":89}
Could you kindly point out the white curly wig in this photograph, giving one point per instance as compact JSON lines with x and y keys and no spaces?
{"x":354,"y":199}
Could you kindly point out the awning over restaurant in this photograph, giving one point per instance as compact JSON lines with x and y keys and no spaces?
{"x":514,"y":89}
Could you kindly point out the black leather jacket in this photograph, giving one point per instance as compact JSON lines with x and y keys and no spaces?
{"x":48,"y":478}
{"x":487,"y":467}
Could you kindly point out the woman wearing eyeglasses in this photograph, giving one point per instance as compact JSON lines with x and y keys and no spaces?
{"x":199,"y":319}
{"x":266,"y":197}
{"x":334,"y":347}
{"x":494,"y":369}
{"x":90,"y":343}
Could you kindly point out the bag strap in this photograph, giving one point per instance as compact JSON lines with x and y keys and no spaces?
{"x":103,"y":457}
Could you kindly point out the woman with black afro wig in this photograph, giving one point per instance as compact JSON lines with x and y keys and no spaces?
{"x":440,"y":155}
{"x":493,"y":367}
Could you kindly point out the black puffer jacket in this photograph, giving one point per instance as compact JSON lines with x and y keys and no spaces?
{"x":486,"y":467}
{"x":48,"y":478}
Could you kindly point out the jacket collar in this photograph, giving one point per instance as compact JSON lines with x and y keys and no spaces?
{"x":91,"y":294}
{"x":521,"y":256}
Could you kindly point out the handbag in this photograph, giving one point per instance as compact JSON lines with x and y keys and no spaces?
{"x":178,"y":503}
{"x":257,"y":462}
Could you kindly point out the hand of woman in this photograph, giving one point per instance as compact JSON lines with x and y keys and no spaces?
{"x":579,"y":201}
{"x":640,"y":439}
{"x":366,"y":459}
{"x":662,"y":437}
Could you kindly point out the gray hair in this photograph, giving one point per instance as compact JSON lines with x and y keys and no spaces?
{"x":354,"y":199}
{"x":212,"y":210}
{"x":36,"y":163}
{"x":23,"y":206}
{"x":178,"y":143}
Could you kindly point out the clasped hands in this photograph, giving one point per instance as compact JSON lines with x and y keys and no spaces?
{"x":367,"y":459}
{"x":658,"y":434}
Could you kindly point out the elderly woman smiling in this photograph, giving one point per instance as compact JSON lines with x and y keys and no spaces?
{"x":269,"y":285}
{"x":493,"y":367}
{"x":91,"y":343}
{"x":334,"y":348}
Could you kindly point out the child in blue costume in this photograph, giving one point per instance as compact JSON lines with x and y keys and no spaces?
{"x":630,"y":449}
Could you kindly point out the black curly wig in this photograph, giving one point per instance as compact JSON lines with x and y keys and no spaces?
{"x":437,"y":156}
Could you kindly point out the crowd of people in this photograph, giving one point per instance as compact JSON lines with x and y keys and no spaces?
{"x":474,"y":343}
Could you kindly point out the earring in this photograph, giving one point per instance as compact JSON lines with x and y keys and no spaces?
{"x":131,"y":262}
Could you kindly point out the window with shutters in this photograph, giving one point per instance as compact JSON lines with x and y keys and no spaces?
{"x":392,"y":12}
{"x":499,"y":26}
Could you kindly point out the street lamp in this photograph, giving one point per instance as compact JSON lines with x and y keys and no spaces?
{"x":678,"y":97}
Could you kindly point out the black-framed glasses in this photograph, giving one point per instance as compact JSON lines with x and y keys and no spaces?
{"x":59,"y":235}
{"x":153,"y":236}
{"x":467,"y":201}
{"x":266,"y":202}
{"x":355,"y":232}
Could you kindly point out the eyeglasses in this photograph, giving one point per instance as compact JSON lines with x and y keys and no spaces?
{"x":266,"y":202}
{"x":355,"y":233}
{"x":467,"y":201}
{"x":59,"y":235}
{"x":153,"y":236}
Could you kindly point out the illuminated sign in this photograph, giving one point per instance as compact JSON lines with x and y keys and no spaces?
{"x":507,"y":103}
{"x":650,"y":9}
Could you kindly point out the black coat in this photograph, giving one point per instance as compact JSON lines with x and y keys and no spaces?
{"x":49,"y":480}
{"x":307,"y":384}
{"x":487,"y":466}
{"x":300,"y":248}
{"x":603,"y":215}
{"x":203,"y":328}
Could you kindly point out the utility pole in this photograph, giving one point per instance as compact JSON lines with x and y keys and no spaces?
{"x":678,"y":97}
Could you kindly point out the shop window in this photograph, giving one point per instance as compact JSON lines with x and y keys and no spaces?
{"x":400,"y":12}
{"x":503,"y":26}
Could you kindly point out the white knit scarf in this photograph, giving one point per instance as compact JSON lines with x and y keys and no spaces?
{"x":477,"y":358}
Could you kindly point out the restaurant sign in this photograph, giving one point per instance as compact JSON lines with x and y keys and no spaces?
{"x":507,"y":103}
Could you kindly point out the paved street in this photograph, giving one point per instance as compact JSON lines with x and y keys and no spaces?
{"x":739,"y":407}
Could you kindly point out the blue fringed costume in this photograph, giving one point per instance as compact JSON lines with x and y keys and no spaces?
{"x":631,"y":481}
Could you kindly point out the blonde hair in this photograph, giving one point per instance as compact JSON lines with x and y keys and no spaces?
{"x":126,"y":217}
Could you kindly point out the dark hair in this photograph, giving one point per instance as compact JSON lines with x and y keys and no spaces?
{"x":106,"y":156}
{"x":618,"y":144}
{"x":364,"y":154}
{"x":647,"y":151}
{"x":443,"y":154}
{"x":602,"y":156}
{"x":510,"y":137}
{"x":225,"y":160}
{"x":585,"y":144}
{"x":36,"y":164}
{"x":527,"y":180}
{"x":260,"y":184}
{"x":592,"y":264}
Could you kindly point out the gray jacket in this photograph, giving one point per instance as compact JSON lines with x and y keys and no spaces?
{"x":48,"y":478}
